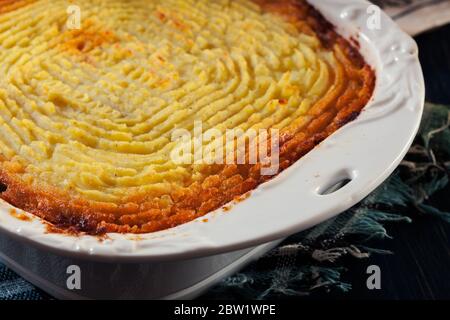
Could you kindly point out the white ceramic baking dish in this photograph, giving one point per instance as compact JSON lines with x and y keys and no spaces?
{"x":183,"y":261}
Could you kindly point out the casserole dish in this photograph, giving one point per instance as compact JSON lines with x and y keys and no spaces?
{"x":363,"y":153}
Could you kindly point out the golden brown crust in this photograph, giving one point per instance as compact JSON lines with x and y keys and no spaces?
{"x":11,"y":5}
{"x":141,"y":215}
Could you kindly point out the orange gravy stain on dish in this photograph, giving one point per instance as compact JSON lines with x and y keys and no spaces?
{"x":236,"y":200}
{"x":19,"y":215}
{"x":52,"y":229}
{"x":49,"y":228}
{"x":242,"y":197}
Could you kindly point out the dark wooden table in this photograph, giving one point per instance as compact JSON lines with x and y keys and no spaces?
{"x":420,"y":267}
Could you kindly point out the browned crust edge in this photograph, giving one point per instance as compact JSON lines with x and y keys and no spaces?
{"x":98,"y":218}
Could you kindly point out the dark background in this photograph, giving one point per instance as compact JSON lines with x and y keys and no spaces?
{"x":420,"y":266}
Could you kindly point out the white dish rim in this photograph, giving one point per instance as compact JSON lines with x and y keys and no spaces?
{"x":396,"y":106}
